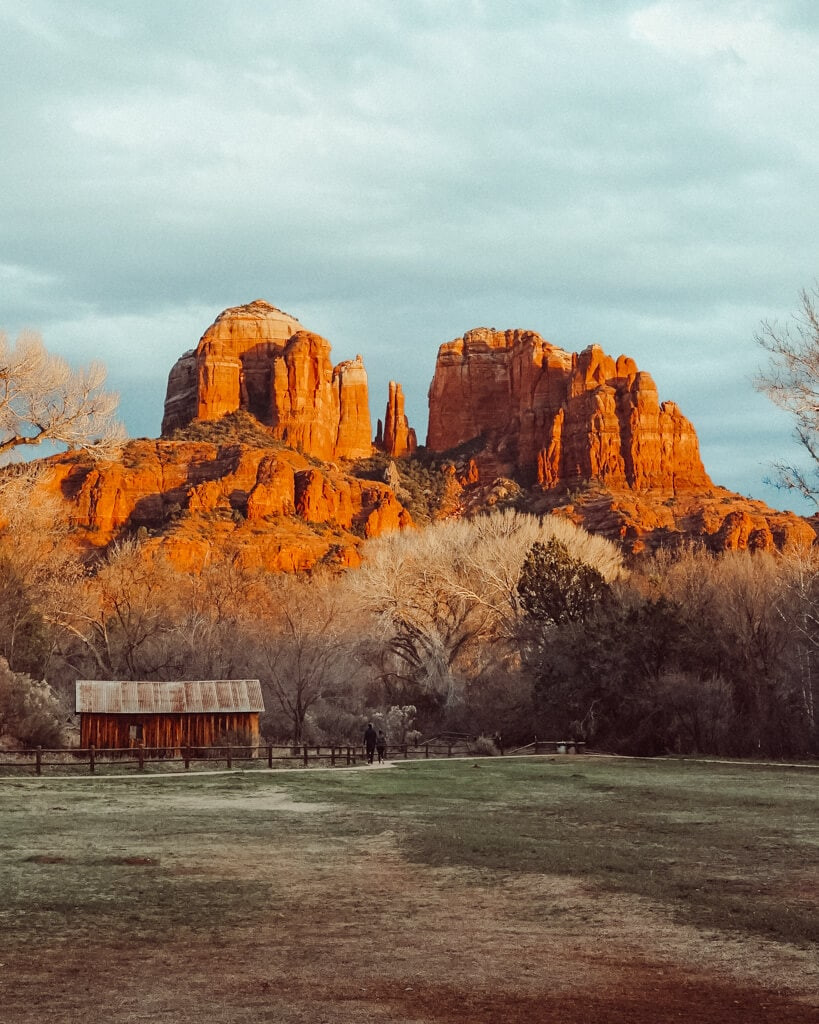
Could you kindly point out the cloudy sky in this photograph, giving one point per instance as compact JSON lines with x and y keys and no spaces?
{"x":641,"y":175}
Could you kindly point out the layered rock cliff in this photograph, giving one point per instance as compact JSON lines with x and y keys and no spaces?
{"x":260,"y":359}
{"x":559,"y":419}
{"x":269,"y":506}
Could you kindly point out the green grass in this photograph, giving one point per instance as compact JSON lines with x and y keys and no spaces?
{"x":720,"y":846}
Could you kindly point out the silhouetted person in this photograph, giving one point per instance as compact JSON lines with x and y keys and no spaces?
{"x":370,"y":739}
{"x":381,"y":745}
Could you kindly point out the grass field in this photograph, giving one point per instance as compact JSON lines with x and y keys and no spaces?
{"x":566,"y":889}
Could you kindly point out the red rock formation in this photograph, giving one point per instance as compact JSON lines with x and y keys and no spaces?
{"x":305,"y":410}
{"x":274,"y":509}
{"x":558,"y":418}
{"x":399,"y":437}
{"x":257,"y":358}
{"x":274,"y":490}
{"x":353,"y":440}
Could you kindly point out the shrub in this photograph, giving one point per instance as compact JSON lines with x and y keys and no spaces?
{"x":30,"y":711}
{"x":238,"y":427}
{"x":423,"y":481}
{"x":486,"y":747}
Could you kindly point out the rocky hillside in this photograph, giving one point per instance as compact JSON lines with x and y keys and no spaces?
{"x":267,"y":452}
{"x":268,"y":506}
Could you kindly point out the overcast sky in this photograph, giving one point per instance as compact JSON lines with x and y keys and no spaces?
{"x":644,"y":176}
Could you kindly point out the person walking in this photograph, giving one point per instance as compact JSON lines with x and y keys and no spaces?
{"x":370,"y":738}
{"x":381,"y":745}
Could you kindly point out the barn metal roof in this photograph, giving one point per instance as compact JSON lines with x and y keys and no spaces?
{"x":183,"y":696}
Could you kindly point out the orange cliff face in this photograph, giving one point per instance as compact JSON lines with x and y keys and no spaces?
{"x":197,"y":500}
{"x":560,"y":419}
{"x":261,"y":360}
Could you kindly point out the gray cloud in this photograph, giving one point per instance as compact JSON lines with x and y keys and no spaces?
{"x":640,"y":175}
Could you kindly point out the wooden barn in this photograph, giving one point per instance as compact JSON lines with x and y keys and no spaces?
{"x":183,"y":713}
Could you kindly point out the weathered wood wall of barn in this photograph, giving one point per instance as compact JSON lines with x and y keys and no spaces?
{"x":198,"y":729}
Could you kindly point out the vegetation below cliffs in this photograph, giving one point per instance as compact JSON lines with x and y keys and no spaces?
{"x":506,"y":623}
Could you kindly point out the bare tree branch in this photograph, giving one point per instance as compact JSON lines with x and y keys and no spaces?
{"x":43,"y":399}
{"x":791,"y":381}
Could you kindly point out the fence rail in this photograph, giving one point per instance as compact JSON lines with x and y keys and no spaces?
{"x":71,"y":759}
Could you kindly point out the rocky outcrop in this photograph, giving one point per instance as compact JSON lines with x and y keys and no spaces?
{"x":260,"y":359}
{"x":398,"y":437}
{"x":272,"y":507}
{"x":354,"y":437}
{"x":718,"y":519}
{"x":546,"y":416}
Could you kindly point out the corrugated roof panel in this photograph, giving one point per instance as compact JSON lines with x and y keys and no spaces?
{"x":253,"y":689}
{"x":184,"y":696}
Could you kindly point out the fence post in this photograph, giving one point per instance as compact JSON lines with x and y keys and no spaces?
{"x":91,"y":759}
{"x":186,"y":754}
{"x":406,"y":755}
{"x":269,"y":755}
{"x":536,"y":750}
{"x":348,"y":755}
{"x":38,"y":758}
{"x":449,"y":751}
{"x":426,"y":750}
{"x":305,"y":757}
{"x":141,"y":756}
{"x":229,"y":756}
{"x":332,"y":757}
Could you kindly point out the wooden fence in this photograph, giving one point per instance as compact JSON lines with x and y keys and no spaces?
{"x":72,"y":759}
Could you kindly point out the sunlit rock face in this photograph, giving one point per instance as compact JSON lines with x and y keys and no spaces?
{"x":259,"y":359}
{"x":559,"y":419}
{"x":197,"y":500}
{"x":397,"y":437}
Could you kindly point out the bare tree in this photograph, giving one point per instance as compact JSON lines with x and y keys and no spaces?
{"x":123,"y":615}
{"x":215,"y":612}
{"x":40,"y":572}
{"x":43,"y":399}
{"x":302,"y":652}
{"x":798,"y":606}
{"x":791,"y":381}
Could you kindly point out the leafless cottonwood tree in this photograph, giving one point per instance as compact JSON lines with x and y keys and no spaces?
{"x":798,"y":606}
{"x":444,"y":600}
{"x":42,"y":398}
{"x":791,"y":381}
{"x":215,"y":611}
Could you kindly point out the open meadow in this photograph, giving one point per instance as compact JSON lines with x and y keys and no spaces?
{"x":565,"y":889}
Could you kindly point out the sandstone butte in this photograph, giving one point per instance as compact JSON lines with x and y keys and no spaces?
{"x":285,"y":505}
{"x":512,"y":418}
{"x":262,"y":360}
{"x":588,"y":438}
